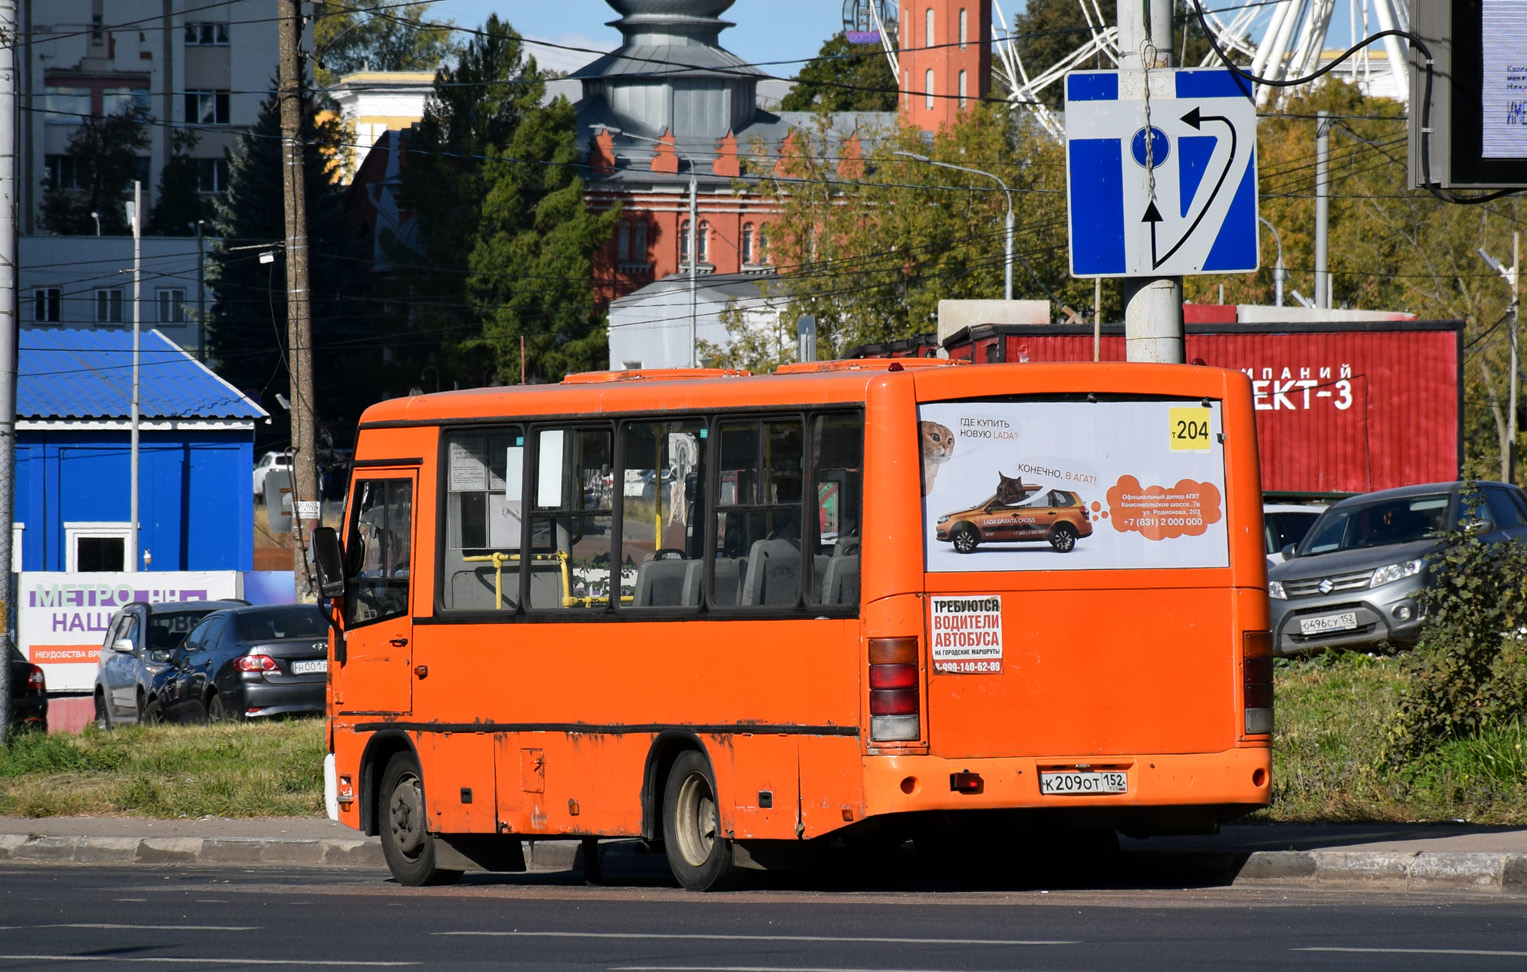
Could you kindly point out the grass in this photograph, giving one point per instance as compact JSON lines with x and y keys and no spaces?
{"x":254,"y":770}
{"x":1327,"y":762}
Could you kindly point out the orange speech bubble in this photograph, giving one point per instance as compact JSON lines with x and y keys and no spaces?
{"x":1161,"y":512}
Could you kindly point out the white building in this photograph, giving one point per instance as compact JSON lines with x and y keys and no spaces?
{"x":650,"y":327}
{"x":198,"y":65}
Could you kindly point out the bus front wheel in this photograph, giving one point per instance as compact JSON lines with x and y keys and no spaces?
{"x":407,"y":844}
{"x":700,"y":858}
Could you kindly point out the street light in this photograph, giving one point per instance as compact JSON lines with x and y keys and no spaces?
{"x":1278,"y":274}
{"x":694,"y":232}
{"x":1008,"y":251}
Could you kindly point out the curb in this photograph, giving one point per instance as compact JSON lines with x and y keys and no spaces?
{"x":1496,"y":873}
{"x":364,"y":852}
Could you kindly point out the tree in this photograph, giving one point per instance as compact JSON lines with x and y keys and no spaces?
{"x":1049,"y":31}
{"x":247,"y":332}
{"x":844,"y":77}
{"x":871,"y":246}
{"x":178,"y":202}
{"x":498,"y":221}
{"x":377,"y":35}
{"x":103,"y":153}
{"x":531,"y":272}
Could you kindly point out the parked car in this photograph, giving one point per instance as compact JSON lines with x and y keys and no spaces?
{"x":1284,"y":524}
{"x":268,"y":463}
{"x":29,"y":693}
{"x":1056,"y":516}
{"x":1355,"y":580}
{"x":135,"y":658}
{"x":251,"y":662}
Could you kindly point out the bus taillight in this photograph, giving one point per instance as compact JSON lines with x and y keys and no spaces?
{"x":893,"y":690}
{"x":1257,"y":681}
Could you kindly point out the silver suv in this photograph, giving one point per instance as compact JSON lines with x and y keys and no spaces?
{"x":1356,"y":578}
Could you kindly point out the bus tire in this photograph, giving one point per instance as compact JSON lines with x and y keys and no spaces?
{"x":965,"y":539}
{"x":1063,"y":537}
{"x":700,"y":858}
{"x":407,"y":844}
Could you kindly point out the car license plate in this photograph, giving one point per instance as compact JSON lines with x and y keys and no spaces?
{"x":1345,"y":621}
{"x":1077,"y":784}
{"x":310,"y":667}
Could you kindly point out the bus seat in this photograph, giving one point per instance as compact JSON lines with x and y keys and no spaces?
{"x":840,"y":582}
{"x":729,"y":574}
{"x":662,"y":583}
{"x":773,"y":575}
{"x":472,"y":589}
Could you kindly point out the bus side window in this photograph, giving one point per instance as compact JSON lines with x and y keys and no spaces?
{"x":758,"y":515}
{"x":661,"y":553}
{"x":377,"y":552}
{"x":571,"y":521}
{"x":837,"y":464}
{"x":480,"y":555}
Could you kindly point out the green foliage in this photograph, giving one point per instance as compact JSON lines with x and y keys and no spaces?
{"x":1469,"y":672}
{"x":247,"y":322}
{"x":178,"y":203}
{"x":104,"y":153}
{"x":492,"y":180}
{"x":377,"y":35}
{"x":844,"y":77}
{"x":531,"y":271}
{"x":751,"y":345}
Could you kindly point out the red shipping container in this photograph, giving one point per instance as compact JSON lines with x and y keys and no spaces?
{"x":1345,"y":407}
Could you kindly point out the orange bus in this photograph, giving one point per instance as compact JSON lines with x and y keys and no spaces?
{"x":737,"y":615}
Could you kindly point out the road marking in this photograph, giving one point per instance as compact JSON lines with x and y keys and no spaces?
{"x":1415,"y":951}
{"x":143,"y":960}
{"x":761,"y":938}
{"x":106,"y":925}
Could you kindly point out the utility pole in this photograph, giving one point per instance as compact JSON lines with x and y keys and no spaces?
{"x":1152,"y":305}
{"x":1322,"y":208}
{"x":299,"y":325}
{"x":201,"y":292}
{"x":1513,"y":278}
{"x":694,"y":264}
{"x":135,"y":218}
{"x":8,"y":337}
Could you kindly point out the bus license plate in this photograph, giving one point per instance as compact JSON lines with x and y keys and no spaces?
{"x":1076,"y":784}
{"x":1345,"y":621}
{"x":309,"y":667}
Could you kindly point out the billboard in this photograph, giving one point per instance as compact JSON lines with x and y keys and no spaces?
{"x":1073,"y":485}
{"x":61,"y":618}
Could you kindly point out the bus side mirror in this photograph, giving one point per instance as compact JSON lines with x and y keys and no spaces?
{"x":328,"y":562}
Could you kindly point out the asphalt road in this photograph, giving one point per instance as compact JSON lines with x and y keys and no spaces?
{"x":205,"y":918}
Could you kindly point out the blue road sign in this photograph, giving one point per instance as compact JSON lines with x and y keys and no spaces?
{"x":1161,"y":173}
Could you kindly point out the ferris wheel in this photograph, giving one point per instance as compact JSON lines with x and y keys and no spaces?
{"x":873,"y":22}
{"x":1277,"y":40}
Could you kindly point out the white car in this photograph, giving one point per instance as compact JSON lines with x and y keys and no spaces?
{"x":267,"y":463}
{"x":1286,"y":523}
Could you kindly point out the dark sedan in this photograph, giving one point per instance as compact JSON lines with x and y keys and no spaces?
{"x":135,"y":658}
{"x":251,"y":662}
{"x":29,"y":694}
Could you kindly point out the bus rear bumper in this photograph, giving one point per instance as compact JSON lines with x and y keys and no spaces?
{"x":1239,"y":778}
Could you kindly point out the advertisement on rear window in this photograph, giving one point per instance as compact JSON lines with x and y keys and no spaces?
{"x":1072,"y":485}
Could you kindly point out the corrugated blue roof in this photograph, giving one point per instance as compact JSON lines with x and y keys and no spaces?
{"x":76,"y":373}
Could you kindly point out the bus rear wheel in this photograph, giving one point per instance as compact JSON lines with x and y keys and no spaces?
{"x":700,"y":858}
{"x":407,"y":844}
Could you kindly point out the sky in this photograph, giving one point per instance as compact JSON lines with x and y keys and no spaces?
{"x":767,"y":30}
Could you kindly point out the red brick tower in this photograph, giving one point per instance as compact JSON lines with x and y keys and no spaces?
{"x":945,"y":55}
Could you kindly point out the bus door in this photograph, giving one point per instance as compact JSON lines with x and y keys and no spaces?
{"x":378,"y":605}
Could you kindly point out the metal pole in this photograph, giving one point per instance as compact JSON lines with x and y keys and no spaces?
{"x":694,"y":264}
{"x":1322,"y":207}
{"x":1153,"y":328}
{"x":9,"y":188}
{"x":299,"y":325}
{"x":1277,"y":271}
{"x":1007,"y":261}
{"x":1097,"y":318}
{"x":137,"y":223}
{"x":1516,"y":277}
{"x":201,"y":292}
